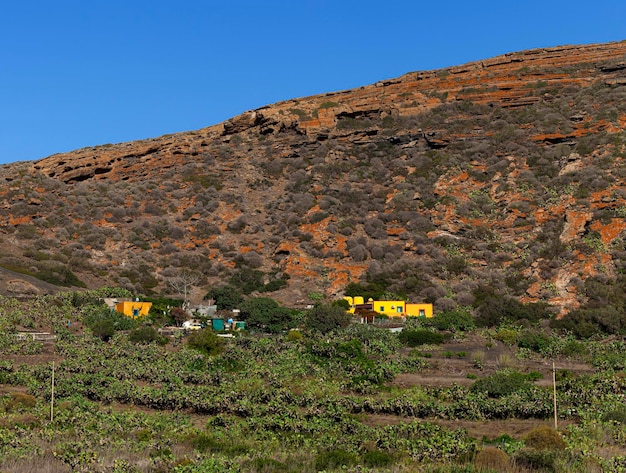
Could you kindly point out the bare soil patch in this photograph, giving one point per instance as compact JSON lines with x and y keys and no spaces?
{"x":455,"y":362}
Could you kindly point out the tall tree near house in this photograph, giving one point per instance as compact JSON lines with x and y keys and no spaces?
{"x":183,"y":284}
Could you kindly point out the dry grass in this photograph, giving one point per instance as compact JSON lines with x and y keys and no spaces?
{"x":45,"y":463}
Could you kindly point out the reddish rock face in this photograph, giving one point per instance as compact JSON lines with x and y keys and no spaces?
{"x":507,"y":171}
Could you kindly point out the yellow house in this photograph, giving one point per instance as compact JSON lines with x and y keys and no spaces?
{"x":133,"y":309}
{"x":419,"y":310}
{"x":354,"y":301}
{"x":391,"y":308}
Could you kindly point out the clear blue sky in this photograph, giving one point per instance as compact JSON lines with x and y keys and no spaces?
{"x":89,"y":72}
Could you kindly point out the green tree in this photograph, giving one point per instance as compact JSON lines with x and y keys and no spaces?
{"x":326,"y":317}
{"x":226,"y":297}
{"x":266,"y":314}
{"x":104,"y":322}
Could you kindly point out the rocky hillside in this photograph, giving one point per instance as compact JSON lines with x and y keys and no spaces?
{"x":506,"y":173}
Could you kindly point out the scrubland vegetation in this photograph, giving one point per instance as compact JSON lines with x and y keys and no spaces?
{"x":321,"y":397}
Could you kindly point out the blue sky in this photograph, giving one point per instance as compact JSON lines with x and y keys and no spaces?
{"x":86,"y":72}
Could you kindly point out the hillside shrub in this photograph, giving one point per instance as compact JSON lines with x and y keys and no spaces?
{"x":377,"y":459}
{"x":414,"y":338}
{"x":574,"y":349}
{"x":502,"y":383}
{"x":334,"y":459}
{"x":18,"y":401}
{"x":59,"y":275}
{"x":268,"y":465}
{"x":535,"y":341}
{"x":535,"y":460}
{"x":494,"y":309}
{"x":616,"y":415}
{"x":104,"y":329}
{"x":492,"y":459}
{"x":247,"y":280}
{"x":206,"y":341}
{"x":544,"y":438}
{"x":457,"y":320}
{"x":294,"y":336}
{"x":508,"y":336}
{"x":146,"y":334}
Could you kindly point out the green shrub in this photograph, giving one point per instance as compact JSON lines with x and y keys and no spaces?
{"x":377,"y":459}
{"x":206,"y":341}
{"x":204,"y":443}
{"x":294,"y":336}
{"x":616,"y":415}
{"x":414,"y":338}
{"x":146,"y":334}
{"x":503,"y":383}
{"x":59,"y":275}
{"x":535,"y":460}
{"x":104,"y":329}
{"x":535,"y":341}
{"x":103,"y":322}
{"x":18,"y":401}
{"x":455,"y":320}
{"x":225,"y":297}
{"x":333,"y":459}
{"x":274,"y":285}
{"x":573,"y":349}
{"x":506,"y":335}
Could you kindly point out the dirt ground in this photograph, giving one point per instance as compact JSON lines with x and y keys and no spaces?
{"x":454,"y":363}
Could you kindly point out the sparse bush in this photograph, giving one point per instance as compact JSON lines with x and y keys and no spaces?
{"x":377,"y":459}
{"x":544,"y":438}
{"x":478,"y":359}
{"x":492,"y":459}
{"x":334,"y":459}
{"x":414,"y":338}
{"x":18,"y":401}
{"x":104,"y":329}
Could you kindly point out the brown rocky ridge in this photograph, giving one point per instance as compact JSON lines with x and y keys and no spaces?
{"x":507,"y":172}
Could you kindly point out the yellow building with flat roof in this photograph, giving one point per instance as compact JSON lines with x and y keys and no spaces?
{"x":133,"y":309}
{"x":390,"y":308}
